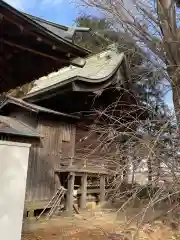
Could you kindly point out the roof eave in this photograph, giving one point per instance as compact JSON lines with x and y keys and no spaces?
{"x":21,"y":135}
{"x":13,"y":101}
{"x":76,"y":79}
{"x":74,"y":48}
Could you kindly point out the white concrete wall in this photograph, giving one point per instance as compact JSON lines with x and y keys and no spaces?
{"x":13,"y":174}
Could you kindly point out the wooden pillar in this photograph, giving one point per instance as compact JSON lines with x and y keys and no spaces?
{"x":70,"y":190}
{"x":83,"y":191}
{"x":70,"y":162}
{"x":102,"y":189}
{"x":31,"y":214}
{"x":57,"y":181}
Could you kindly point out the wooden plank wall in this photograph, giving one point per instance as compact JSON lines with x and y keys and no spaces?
{"x":91,"y":149}
{"x":58,"y":143}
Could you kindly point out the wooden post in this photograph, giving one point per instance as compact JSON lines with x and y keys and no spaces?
{"x":102,"y":189}
{"x":70,"y":162}
{"x":31,"y":214}
{"x":69,"y":206}
{"x":57,"y":181}
{"x":83,"y":191}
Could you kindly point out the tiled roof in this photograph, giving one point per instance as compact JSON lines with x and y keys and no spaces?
{"x":58,"y":29}
{"x":51,"y":29}
{"x":13,"y":126}
{"x":98,"y":68}
{"x":33,"y":107}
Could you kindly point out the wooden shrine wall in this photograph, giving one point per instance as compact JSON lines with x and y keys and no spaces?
{"x":57,"y":146}
{"x":92,"y":150}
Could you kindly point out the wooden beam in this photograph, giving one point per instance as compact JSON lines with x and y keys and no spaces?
{"x":102,"y":189}
{"x":78,"y":62}
{"x":83,"y":191}
{"x":69,"y":195}
{"x":33,"y":51}
{"x":90,"y":191}
{"x":82,"y":170}
{"x":29,"y":29}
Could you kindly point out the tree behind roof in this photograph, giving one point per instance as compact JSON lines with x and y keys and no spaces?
{"x":142,"y":73}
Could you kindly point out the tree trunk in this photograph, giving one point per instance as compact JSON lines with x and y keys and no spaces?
{"x":176,"y":100}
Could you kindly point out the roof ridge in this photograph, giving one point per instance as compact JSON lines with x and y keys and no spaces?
{"x":68,"y":29}
{"x":46,"y":21}
{"x":107,"y":50}
{"x":42,"y":28}
{"x":74,"y":67}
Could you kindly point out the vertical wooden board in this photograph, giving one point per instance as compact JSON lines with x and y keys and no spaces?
{"x":58,"y":159}
{"x":47,"y":161}
{"x":66,"y":154}
{"x":90,"y":148}
{"x":102,"y":188}
{"x":73,"y":137}
{"x":29,"y":188}
{"x":51,"y":155}
{"x":48,"y":157}
{"x":66,"y":132}
{"x":42,"y":163}
{"x":32,"y":173}
{"x":53,"y":158}
{"x":69,"y":206}
{"x":58,"y":146}
{"x":68,"y":147}
{"x":49,"y":150}
{"x":83,"y":191}
{"x":37,"y":173}
{"x":43,"y":190}
{"x":39,"y":169}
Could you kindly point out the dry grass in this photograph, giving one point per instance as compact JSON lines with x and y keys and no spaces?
{"x":97,"y":225}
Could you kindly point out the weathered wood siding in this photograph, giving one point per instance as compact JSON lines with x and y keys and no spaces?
{"x":27,"y":117}
{"x":56,"y":147}
{"x":92,"y":150}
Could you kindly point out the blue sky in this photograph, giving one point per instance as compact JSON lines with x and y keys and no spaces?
{"x":168,"y":99}
{"x":59,"y":11}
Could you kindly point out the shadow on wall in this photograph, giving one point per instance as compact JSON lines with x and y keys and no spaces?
{"x":41,"y":176}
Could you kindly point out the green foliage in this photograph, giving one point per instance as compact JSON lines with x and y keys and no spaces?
{"x":103,"y":34}
{"x":93,"y":23}
{"x":144,"y":79}
{"x":90,"y":41}
{"x":142,"y":73}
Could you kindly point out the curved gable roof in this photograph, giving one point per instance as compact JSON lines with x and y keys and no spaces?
{"x":97,"y":70}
